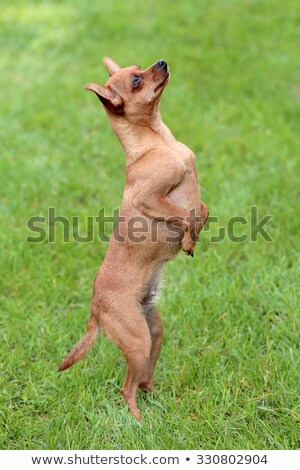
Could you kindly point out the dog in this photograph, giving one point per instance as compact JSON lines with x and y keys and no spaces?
{"x":162,"y":193}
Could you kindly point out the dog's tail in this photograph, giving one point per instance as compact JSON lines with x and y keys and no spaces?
{"x":83,"y":346}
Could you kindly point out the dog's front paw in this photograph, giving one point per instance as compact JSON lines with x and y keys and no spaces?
{"x":189,"y":253}
{"x":188,"y":245}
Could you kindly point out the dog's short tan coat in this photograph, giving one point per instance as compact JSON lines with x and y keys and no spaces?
{"x":161,"y":193}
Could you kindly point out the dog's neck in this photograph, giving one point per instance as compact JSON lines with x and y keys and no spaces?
{"x":138,"y":138}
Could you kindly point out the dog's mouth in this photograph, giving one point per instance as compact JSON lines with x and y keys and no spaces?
{"x":166,"y":78}
{"x":164,"y":81}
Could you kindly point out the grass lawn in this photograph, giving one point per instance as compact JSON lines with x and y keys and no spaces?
{"x":228,"y":374}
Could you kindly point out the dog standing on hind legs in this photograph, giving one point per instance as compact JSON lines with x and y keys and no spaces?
{"x":162,"y":194}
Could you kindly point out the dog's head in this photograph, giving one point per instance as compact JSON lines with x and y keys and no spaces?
{"x":131,"y":91}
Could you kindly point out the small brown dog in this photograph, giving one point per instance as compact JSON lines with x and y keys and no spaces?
{"x":161,"y":204}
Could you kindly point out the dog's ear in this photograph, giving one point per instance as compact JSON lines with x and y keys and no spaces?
{"x":110,"y":98}
{"x":111,"y":65}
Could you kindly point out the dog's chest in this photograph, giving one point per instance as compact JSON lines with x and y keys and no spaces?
{"x":186,"y":156}
{"x":187,"y":193}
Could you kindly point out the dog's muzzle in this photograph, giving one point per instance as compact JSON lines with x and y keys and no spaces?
{"x":161,"y":64}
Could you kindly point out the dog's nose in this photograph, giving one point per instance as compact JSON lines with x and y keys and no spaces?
{"x":161,"y":64}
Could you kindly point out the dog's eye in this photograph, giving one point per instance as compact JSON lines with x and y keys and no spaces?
{"x":136,"y":79}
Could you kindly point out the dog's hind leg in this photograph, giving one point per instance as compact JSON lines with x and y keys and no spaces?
{"x":137,"y":351}
{"x":156,"y":332}
{"x":155,"y":325}
{"x":128,"y":328}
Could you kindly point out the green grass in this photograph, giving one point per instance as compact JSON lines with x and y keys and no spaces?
{"x":228,"y":374}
